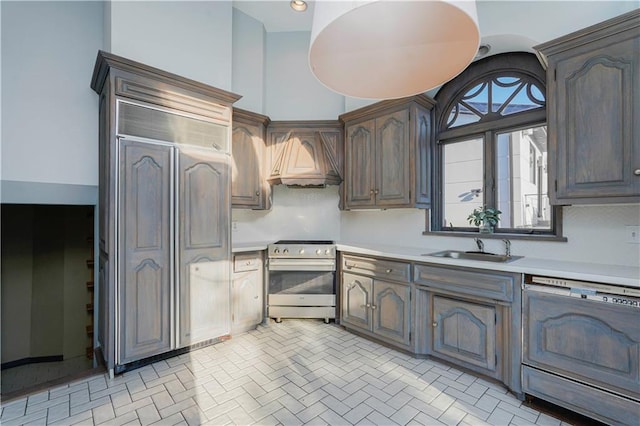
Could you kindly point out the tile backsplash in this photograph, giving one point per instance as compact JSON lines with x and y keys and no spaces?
{"x":596,"y":234}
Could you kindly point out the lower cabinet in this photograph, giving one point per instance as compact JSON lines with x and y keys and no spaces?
{"x":374,"y":304}
{"x":465,"y":331}
{"x":472,"y":318}
{"x":247,"y":290}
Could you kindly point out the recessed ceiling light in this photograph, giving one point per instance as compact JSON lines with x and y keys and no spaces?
{"x":483,"y":50}
{"x":298,"y":5}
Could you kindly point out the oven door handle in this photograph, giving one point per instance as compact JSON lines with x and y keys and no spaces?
{"x":296,"y":265}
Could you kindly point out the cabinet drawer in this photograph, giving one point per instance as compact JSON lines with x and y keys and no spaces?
{"x":477,"y":283}
{"x":246,"y":262}
{"x":593,"y":402}
{"x":383,"y":269}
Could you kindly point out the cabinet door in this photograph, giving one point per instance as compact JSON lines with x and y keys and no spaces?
{"x":204,"y":251}
{"x":246,"y":167}
{"x":393,"y":168}
{"x":246,"y":295}
{"x":423,"y":177}
{"x":145,"y":263}
{"x":359,"y":165}
{"x":598,"y":343}
{"x":465,"y":331}
{"x":391,"y":310}
{"x":597,"y":95}
{"x":356,"y":300}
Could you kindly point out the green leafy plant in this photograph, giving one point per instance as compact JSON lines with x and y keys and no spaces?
{"x":487,"y":215}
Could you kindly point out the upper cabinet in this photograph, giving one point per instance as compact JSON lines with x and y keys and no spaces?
{"x":305,"y":153}
{"x":249,"y":187}
{"x":387,"y":154}
{"x":593,"y":101}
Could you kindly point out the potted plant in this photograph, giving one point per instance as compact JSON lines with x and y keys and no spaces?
{"x":485,"y":218}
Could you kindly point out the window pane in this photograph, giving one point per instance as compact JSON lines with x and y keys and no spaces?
{"x":463,"y":172}
{"x":521,"y":179}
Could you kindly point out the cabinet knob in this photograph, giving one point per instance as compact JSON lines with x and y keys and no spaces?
{"x":368,"y":305}
{"x":435,"y":324}
{"x":374,"y":307}
{"x":257,"y":193}
{"x":371,"y":192}
{"x":376,"y":192}
{"x":636,"y":172}
{"x":389,"y":271}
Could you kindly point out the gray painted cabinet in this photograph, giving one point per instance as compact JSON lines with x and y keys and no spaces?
{"x":465,"y":331}
{"x":164,"y":211}
{"x":145,"y":192}
{"x":376,"y":298}
{"x":203,"y":256}
{"x":593,"y":85}
{"x":596,"y":345}
{"x":387,"y":154}
{"x":470,"y":317}
{"x":247,"y":291}
{"x":249,"y":187}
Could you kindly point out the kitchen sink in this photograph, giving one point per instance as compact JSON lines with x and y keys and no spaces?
{"x":474,"y":255}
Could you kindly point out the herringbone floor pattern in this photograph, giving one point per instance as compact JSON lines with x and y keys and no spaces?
{"x":296,"y":372}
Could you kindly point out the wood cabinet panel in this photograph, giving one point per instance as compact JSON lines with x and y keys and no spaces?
{"x":247,"y":292}
{"x":593,"y":99}
{"x":486,"y":284}
{"x":381,"y":268}
{"x":204,"y":220}
{"x":359,"y":167}
{"x":393,"y":167}
{"x":465,"y":331}
{"x":391,"y":310}
{"x":388,"y":154}
{"x":603,"y":406}
{"x":249,"y":187}
{"x":145,"y":209}
{"x":356,"y":300}
{"x":598,"y":342}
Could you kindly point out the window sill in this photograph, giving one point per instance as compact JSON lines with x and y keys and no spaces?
{"x":499,"y":236}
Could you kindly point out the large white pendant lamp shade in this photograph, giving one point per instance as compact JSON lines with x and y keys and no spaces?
{"x":386,"y":49}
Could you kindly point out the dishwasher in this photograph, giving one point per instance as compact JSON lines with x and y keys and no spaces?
{"x":581,"y":347}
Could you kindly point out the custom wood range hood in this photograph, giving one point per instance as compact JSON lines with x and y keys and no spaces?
{"x":305,"y":153}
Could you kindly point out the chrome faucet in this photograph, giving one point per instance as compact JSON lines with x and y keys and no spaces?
{"x":480,"y":244}
{"x":507,"y":246}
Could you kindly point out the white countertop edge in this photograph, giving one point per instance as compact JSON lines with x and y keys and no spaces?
{"x":599,"y":273}
{"x":249,"y":246}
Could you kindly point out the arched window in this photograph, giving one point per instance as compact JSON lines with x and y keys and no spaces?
{"x":491,"y":147}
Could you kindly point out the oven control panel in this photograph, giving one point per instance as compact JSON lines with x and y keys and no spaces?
{"x":302,"y":250}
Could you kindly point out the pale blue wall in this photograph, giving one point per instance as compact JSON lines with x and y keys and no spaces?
{"x":191,"y":39}
{"x":293,"y":93}
{"x":49,"y":112}
{"x":249,"y":39}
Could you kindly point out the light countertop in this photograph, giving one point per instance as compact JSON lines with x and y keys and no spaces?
{"x":599,"y":273}
{"x":250,"y":246}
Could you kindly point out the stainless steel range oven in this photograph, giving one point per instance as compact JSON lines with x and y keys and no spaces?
{"x":302,"y":280}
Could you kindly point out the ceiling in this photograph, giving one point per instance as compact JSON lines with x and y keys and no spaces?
{"x":507,"y":25}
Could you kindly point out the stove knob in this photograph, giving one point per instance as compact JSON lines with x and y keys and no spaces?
{"x":285,"y":251}
{"x":301,"y":251}
{"x":327,"y":251}
{"x":276,"y":251}
{"x":319,"y":252}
